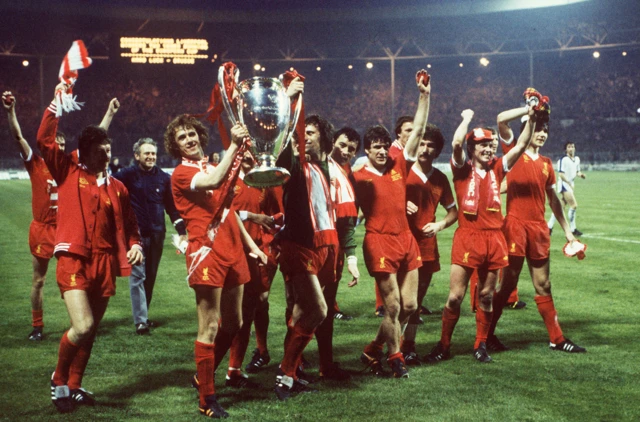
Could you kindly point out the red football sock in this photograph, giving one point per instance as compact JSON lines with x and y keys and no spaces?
{"x":450,"y":318}
{"x":373,"y":348}
{"x":79,"y":364}
{"x":408,"y":346}
{"x":379,"y":301}
{"x":66,"y":353}
{"x":483,"y":321}
{"x":514,"y":296}
{"x":397,"y":355}
{"x":239,"y":345}
{"x":298,"y":339}
{"x":336,"y":308}
{"x":324,"y":338}
{"x":222,"y":344}
{"x":473,"y":290}
{"x":261,"y":325}
{"x":550,"y":317}
{"x":204,"y":367}
{"x":36,"y":318}
{"x":498,"y":307}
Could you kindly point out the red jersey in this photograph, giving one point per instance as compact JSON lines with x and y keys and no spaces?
{"x":527,"y":183}
{"x":426,"y":191}
{"x":266,"y":201}
{"x":485,"y":219}
{"x":382,"y":196}
{"x":79,"y":201}
{"x":44,"y":190}
{"x":197,"y":207}
{"x":396,"y":150}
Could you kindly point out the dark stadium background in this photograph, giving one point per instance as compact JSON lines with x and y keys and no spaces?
{"x":595,"y":102}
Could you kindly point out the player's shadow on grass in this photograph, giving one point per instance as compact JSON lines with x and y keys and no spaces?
{"x":119,"y":397}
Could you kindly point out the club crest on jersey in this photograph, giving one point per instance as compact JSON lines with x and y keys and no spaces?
{"x":545,"y":170}
{"x":205,"y":273}
{"x":73,"y":280}
{"x":395,"y":176}
{"x":382,"y":264}
{"x":83,"y":182}
{"x":465,"y":258}
{"x":513,"y":247}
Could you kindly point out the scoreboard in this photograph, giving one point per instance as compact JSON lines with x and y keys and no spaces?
{"x":163,"y":50}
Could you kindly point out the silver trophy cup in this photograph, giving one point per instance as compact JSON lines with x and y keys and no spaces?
{"x":262,"y":105}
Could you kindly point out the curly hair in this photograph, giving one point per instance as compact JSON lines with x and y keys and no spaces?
{"x":185,"y":120}
{"x":376,"y":133}
{"x":326,"y":131}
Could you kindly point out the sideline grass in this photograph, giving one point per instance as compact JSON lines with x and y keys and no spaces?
{"x":147,"y":378}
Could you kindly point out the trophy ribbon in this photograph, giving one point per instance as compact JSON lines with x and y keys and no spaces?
{"x":227,"y":78}
{"x":298,"y":113}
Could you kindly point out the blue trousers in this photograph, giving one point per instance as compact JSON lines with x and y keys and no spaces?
{"x":143,"y":277}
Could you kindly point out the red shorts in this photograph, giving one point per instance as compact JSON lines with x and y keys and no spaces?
{"x":261,"y":275}
{"x":96,"y":275}
{"x":211,"y":273}
{"x":296,"y":259}
{"x":41,"y":239}
{"x":479,"y":248}
{"x":428,"y":248}
{"x":527,"y":238}
{"x":430,"y":266}
{"x":386,"y":253}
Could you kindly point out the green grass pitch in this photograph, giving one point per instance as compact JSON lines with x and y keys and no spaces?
{"x":147,"y":378}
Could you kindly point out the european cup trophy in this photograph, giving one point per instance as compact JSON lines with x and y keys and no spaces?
{"x":262,"y":105}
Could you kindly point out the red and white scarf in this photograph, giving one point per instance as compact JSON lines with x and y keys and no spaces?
{"x":471,"y":200}
{"x":320,"y":206}
{"x":342,"y":192}
{"x":77,"y":58}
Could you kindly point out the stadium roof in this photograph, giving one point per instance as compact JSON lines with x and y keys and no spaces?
{"x":341,"y":29}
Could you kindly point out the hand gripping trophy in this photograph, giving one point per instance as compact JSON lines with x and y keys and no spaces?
{"x":263,"y":106}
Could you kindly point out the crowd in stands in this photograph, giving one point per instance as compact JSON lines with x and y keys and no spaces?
{"x":593,"y":105}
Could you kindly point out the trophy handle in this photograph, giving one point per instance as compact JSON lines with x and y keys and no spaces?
{"x":233,"y":116}
{"x":292,"y":124}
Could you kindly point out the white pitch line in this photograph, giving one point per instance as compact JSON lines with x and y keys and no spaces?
{"x":613,"y":239}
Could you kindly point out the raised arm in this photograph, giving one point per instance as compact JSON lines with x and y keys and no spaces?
{"x":421,"y":116}
{"x":504,"y":118}
{"x":523,"y":140}
{"x":114,"y":106}
{"x":216,"y":176}
{"x":458,"y":137}
{"x":9,"y":104}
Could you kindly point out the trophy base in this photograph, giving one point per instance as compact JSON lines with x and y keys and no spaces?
{"x":267,"y":177}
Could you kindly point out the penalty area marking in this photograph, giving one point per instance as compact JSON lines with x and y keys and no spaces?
{"x":613,"y":239}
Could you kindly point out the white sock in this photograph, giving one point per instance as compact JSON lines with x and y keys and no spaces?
{"x":552,"y":222}
{"x":572,"y":219}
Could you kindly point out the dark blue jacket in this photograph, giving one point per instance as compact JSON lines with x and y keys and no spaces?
{"x":150,"y":193}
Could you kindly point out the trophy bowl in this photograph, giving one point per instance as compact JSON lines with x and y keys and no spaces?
{"x":264,"y":108}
